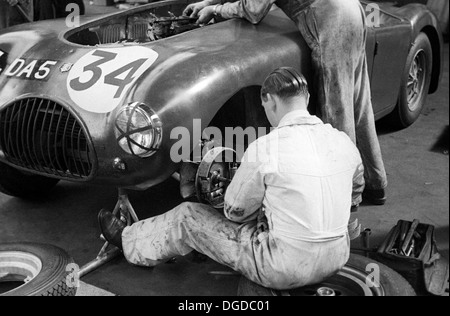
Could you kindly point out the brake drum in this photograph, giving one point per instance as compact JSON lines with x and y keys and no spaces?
{"x":214,"y":175}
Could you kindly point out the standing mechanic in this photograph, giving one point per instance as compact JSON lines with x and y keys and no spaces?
{"x":335,"y":32}
{"x":287,"y":208}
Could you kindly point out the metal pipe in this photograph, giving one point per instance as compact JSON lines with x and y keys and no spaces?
{"x":23,"y":13}
{"x":99,"y":261}
{"x":124,"y":206}
{"x":224,"y":273}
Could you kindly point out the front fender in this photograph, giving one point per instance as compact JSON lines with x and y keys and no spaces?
{"x":423,"y":20}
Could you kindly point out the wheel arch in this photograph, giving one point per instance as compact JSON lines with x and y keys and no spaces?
{"x":436,"y":45}
{"x":423,"y":20}
{"x":242,"y":110}
{"x":250,"y":94}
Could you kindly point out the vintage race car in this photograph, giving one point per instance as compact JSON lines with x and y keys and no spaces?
{"x":98,"y":103}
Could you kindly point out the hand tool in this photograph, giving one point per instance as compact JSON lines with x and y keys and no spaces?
{"x":409,"y":236}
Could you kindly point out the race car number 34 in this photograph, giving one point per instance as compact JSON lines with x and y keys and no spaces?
{"x":100,"y":79}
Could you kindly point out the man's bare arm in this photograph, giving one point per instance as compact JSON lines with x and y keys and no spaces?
{"x":252,"y":10}
{"x":193,"y":9}
{"x":245,"y":194}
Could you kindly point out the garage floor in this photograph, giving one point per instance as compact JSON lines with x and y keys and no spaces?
{"x":416,"y":160}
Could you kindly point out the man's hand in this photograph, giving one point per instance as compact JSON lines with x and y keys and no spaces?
{"x":13,"y":2}
{"x":193,"y":9}
{"x":206,"y":15}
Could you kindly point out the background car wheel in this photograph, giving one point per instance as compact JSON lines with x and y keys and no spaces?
{"x":16,"y":183}
{"x":353,"y":280}
{"x":415,"y":84}
{"x":28,"y":269}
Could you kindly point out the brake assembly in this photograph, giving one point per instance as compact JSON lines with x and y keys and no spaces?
{"x":214,"y":175}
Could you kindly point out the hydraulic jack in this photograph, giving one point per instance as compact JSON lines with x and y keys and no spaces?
{"x":128,"y":215}
{"x":109,"y":252}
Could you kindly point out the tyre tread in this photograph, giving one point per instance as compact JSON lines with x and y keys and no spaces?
{"x":52,"y":280}
{"x":400,"y":117}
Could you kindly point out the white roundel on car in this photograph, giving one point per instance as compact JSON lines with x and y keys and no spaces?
{"x":100,"y":79}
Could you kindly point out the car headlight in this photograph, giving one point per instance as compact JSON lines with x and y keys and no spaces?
{"x":138,"y":130}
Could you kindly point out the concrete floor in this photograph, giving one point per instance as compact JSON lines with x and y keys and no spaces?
{"x":416,"y":160}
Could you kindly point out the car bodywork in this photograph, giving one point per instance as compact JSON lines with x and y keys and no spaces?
{"x":192,"y":75}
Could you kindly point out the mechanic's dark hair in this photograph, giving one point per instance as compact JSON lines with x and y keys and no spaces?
{"x":285,"y":82}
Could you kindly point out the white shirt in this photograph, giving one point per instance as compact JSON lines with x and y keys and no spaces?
{"x":302,"y":175}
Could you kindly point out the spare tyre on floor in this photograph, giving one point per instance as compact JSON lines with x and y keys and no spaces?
{"x":356,"y":279}
{"x":30,"y":269}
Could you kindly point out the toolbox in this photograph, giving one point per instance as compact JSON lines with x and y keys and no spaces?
{"x":410,"y":249}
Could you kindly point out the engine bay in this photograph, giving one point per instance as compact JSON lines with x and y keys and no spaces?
{"x":140,"y":27}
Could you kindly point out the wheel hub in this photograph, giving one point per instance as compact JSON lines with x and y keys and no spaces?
{"x":214,"y":175}
{"x":416,"y":80}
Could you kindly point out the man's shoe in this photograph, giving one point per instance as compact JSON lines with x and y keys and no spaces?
{"x":375,"y":197}
{"x":111,"y":228}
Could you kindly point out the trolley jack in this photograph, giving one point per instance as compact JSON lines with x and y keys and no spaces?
{"x":107,"y":253}
{"x":110,"y":252}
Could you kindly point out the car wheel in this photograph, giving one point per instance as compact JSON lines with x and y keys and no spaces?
{"x":353,"y":280}
{"x":16,"y":183}
{"x":415,"y":83}
{"x":28,"y":269}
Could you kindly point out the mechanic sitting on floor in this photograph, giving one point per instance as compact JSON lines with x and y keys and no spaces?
{"x":336,"y":33}
{"x":287,"y":208}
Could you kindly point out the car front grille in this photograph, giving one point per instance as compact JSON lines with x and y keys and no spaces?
{"x":41,"y":135}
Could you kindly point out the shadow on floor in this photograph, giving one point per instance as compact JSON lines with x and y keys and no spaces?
{"x":441,"y":146}
{"x":386,"y":125}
